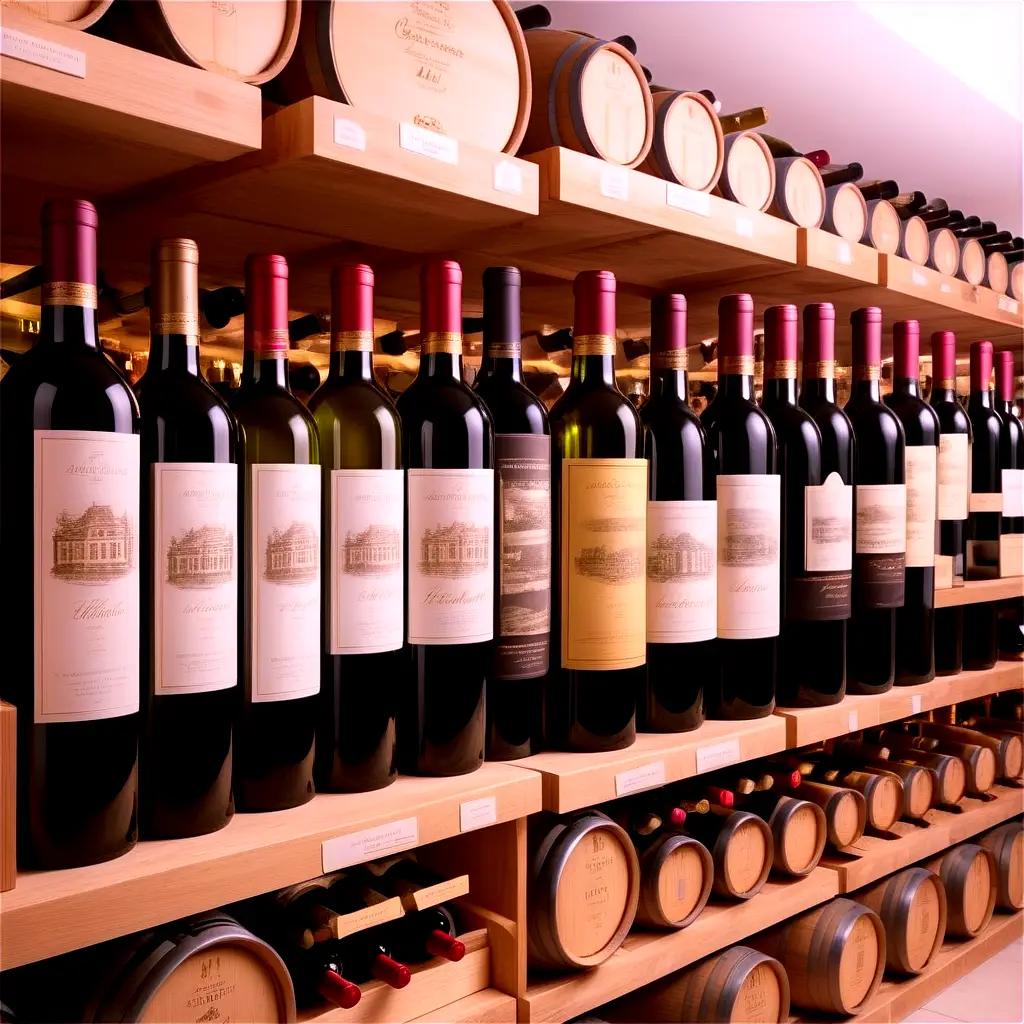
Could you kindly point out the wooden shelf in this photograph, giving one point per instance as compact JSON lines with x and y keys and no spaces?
{"x":489,"y":1006}
{"x":646,"y":956}
{"x":975,"y":591}
{"x":875,"y":856}
{"x":51,"y":912}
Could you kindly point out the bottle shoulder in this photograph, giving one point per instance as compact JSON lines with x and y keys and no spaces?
{"x":659,"y":413}
{"x":340,"y":399}
{"x":426,"y":396}
{"x":917,"y":417}
{"x":513,"y":407}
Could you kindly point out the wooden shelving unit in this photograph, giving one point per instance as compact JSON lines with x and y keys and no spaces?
{"x":975,"y":591}
{"x":488,"y":1006}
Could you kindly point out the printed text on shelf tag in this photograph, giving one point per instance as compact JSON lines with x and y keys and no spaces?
{"x":683,"y":198}
{"x":615,"y":182}
{"x":42,"y":52}
{"x":915,"y":704}
{"x":350,"y":134}
{"x":717,"y":755}
{"x":644,"y":776}
{"x":508,"y":178}
{"x":357,"y":847}
{"x":427,"y":143}
{"x":477,"y":813}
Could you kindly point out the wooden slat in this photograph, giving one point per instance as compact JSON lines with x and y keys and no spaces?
{"x":975,"y":591}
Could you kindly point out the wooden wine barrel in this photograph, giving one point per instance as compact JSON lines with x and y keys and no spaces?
{"x":913,"y":244}
{"x":799,"y":192}
{"x":883,"y":796}
{"x":583,"y":890}
{"x":748,"y":174}
{"x":883,"y":226}
{"x":997,"y":272}
{"x":1005,"y":744}
{"x":912,"y":907}
{"x":688,"y":144}
{"x":459,"y":69}
{"x":590,"y":95}
{"x":972,"y":261}
{"x":799,"y":833}
{"x":834,"y":955}
{"x":920,"y":785}
{"x":676,"y":873}
{"x":971,"y":878}
{"x":1016,"y":288}
{"x":739,"y":984}
{"x":742,"y":853}
{"x":1006,"y":844}
{"x":69,"y":13}
{"x":846,"y":211}
{"x":845,"y":811}
{"x":944,"y":251}
{"x":206,"y":968}
{"x":249,"y":42}
{"x":950,"y":774}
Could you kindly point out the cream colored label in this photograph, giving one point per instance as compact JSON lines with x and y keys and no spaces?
{"x":367,"y":543}
{"x":451,"y":556}
{"x":921,"y":503}
{"x":749,"y":512}
{"x":682,"y":543}
{"x":43,"y":52}
{"x":644,"y":776}
{"x":357,"y":847}
{"x":478,"y":813}
{"x":428,"y":143}
{"x":284,"y":555}
{"x":828,"y":526}
{"x":195,"y":576}
{"x":442,"y":892}
{"x":86,"y":545}
{"x":881,"y":519}
{"x":717,"y":755}
{"x":954,"y":476}
{"x":604,"y":529}
{"x":683,"y":198}
{"x":1013,"y":493}
{"x":985,"y":501}
{"x":376,"y":913}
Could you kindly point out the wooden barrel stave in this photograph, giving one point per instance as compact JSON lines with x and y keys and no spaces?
{"x":78,"y":14}
{"x":797,"y":854}
{"x":845,"y":811}
{"x":970,"y":875}
{"x":1006,"y":844}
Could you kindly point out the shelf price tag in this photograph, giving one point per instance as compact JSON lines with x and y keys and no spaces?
{"x":852,"y":721}
{"x":844,"y":254}
{"x":1007,"y":305}
{"x":350,"y":134}
{"x":945,"y":287}
{"x":915,"y":704}
{"x":42,"y":52}
{"x":430,"y":144}
{"x":368,"y":917}
{"x":717,"y":755}
{"x":682,"y":198}
{"x":744,"y":227}
{"x":370,"y":843}
{"x":508,"y":177}
{"x":644,"y":776}
{"x":441,"y":892}
{"x":478,"y":813}
{"x":918,"y":277}
{"x":615,"y":182}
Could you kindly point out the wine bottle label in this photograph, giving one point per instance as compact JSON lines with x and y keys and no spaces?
{"x":880,"y":544}
{"x":985,"y":501}
{"x":367,"y":549}
{"x":603,"y":543}
{"x":284,"y":560}
{"x":825,"y":591}
{"x":524,"y":602}
{"x":195,"y":576}
{"x":1013,"y":493}
{"x":954,"y":476}
{"x":86,"y":546}
{"x":749,"y":520}
{"x":921,"y":462}
{"x":682,"y":548}
{"x":451,"y":556}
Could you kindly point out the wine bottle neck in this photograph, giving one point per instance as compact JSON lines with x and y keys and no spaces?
{"x":501,"y":364}
{"x":981,"y":399}
{"x":941,"y":394}
{"x":593,"y":370}
{"x":781,"y":390}
{"x":669,"y":383}
{"x":69,"y":325}
{"x":441,"y":365}
{"x":350,"y":365}
{"x":867,"y":390}
{"x":1005,"y":407}
{"x":267,"y":370}
{"x":822,"y":389}
{"x":907,"y":386}
{"x":173,"y":352}
{"x":736,"y":385}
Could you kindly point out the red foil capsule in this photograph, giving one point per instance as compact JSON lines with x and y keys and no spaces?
{"x":391,"y":972}
{"x":441,"y":298}
{"x":352,"y":308}
{"x":677,"y":816}
{"x":594,"y":313}
{"x":944,"y":359}
{"x":335,"y":989}
{"x":906,"y":349}
{"x":736,"y":335}
{"x":1004,"y":375}
{"x":266,"y":304}
{"x":442,"y":944}
{"x":819,"y":338}
{"x":780,"y":341}
{"x":867,"y":342}
{"x":981,"y":366}
{"x":69,"y":253}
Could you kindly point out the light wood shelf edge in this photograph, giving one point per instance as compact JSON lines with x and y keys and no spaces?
{"x":977,"y":591}
{"x":488,"y":1006}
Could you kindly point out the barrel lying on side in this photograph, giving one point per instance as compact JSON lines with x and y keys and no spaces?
{"x":799,"y":832}
{"x":741,"y":846}
{"x":78,"y":14}
{"x":676,"y":874}
{"x":845,"y":811}
{"x":970,"y":877}
{"x":912,"y":907}
{"x":1006,"y":844}
{"x":748,"y":175}
{"x":799,"y":192}
{"x":688,"y":143}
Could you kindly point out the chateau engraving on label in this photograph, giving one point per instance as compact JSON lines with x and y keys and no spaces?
{"x":749,"y":513}
{"x":921,"y":499}
{"x":682,"y":541}
{"x":825,"y":592}
{"x":954,"y":476}
{"x":880,"y":544}
{"x":367,"y":552}
{"x":195,"y":576}
{"x":523,"y":464}
{"x":451,"y":556}
{"x":86,"y":591}
{"x":285,"y":593}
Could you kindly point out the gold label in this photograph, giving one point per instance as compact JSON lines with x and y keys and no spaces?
{"x":603,"y":570}
{"x":69,"y":293}
{"x":177,"y":323}
{"x":823,"y":369}
{"x":352,"y":341}
{"x":866,"y":372}
{"x":273,"y":340}
{"x":781,"y":369}
{"x":441,"y":341}
{"x":672,"y":360}
{"x":503,"y":349}
{"x":593,"y":345}
{"x":743,"y":365}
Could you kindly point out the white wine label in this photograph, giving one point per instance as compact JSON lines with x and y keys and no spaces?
{"x":430,"y":144}
{"x":508,"y":178}
{"x":349,"y":134}
{"x":921,"y":504}
{"x":1013,"y":493}
{"x":195,"y":576}
{"x":451,"y":556}
{"x":644,"y":776}
{"x":603,"y":532}
{"x":284,"y":559}
{"x":985,"y":501}
{"x":954,"y":476}
{"x":614,"y":182}
{"x":881,"y":519}
{"x":86,"y":548}
{"x":828,"y":526}
{"x":682,"y":584}
{"x":749,"y":515}
{"x":367,"y":541}
{"x":682,"y":198}
{"x":717,"y":755}
{"x":477,"y":814}
{"x":370,"y":843}
{"x":43,"y":52}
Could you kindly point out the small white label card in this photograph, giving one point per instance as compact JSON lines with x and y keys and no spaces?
{"x":1008,"y":305}
{"x":844,"y":254}
{"x":644,"y":776}
{"x":349,"y":133}
{"x":370,"y":843}
{"x":508,"y":177}
{"x":918,"y":277}
{"x":478,"y":813}
{"x":43,"y":52}
{"x":717,"y":755}
{"x":744,"y":227}
{"x":851,"y":722}
{"x":916,"y":704}
{"x":682,"y":198}
{"x":614,"y":182}
{"x":427,"y":143}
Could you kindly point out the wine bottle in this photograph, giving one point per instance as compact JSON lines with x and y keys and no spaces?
{"x":189,"y":443}
{"x":834,"y":507}
{"x":1011,"y":446}
{"x":743,"y":120}
{"x":743,"y":477}
{"x":837,"y":174}
{"x":522,"y":460}
{"x":70,"y":452}
{"x":599,"y":481}
{"x":682,"y":530}
{"x":367,"y":955}
{"x":318,"y":973}
{"x":876,"y":189}
{"x":279,"y":521}
{"x":880,"y":516}
{"x":915,"y":619}
{"x":953,"y":476}
{"x":816,"y":536}
{"x":448,"y":449}
{"x":427,"y":933}
{"x":985,"y":505}
{"x":363,"y":491}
